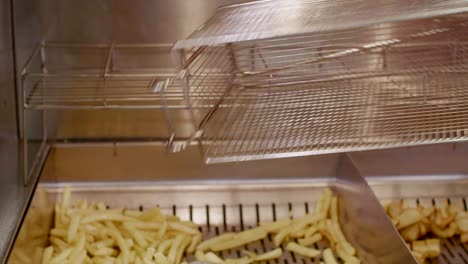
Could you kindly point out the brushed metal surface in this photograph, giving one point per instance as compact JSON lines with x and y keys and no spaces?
{"x":150,"y":161}
{"x":13,"y":195}
{"x":120,"y":21}
{"x":438,"y":159}
{"x":28,"y":23}
{"x":8,"y":123}
{"x":105,"y":22}
{"x":115,"y":124}
{"x":365,"y":221}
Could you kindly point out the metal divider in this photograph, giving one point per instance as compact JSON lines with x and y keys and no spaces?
{"x":364,"y":221}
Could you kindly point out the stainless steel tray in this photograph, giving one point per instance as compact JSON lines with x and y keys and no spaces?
{"x":225,"y":196}
{"x":242,"y":205}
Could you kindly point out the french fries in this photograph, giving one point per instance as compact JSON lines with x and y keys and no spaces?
{"x":414,"y":224}
{"x":304,"y":251}
{"x":241,"y":239}
{"x":86,"y":232}
{"x":90,"y":233}
{"x":328,"y":257}
{"x":308,"y":230}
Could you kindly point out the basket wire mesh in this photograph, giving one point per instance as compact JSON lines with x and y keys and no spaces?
{"x":392,"y":78}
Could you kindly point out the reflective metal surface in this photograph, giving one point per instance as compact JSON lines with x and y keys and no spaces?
{"x":8,"y":122}
{"x":439,"y":160}
{"x":106,"y":55}
{"x":29,"y":30}
{"x":151,"y":162}
{"x":13,"y":194}
{"x":106,"y":21}
{"x":364,"y":220}
{"x":70,"y":24}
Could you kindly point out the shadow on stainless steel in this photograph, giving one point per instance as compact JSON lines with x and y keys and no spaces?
{"x":433,"y":160}
{"x":114,"y":162}
{"x":365,"y":222}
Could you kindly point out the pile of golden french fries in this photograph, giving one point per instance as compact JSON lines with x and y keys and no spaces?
{"x":91,"y":233}
{"x":298,"y":235}
{"x":418,"y":225}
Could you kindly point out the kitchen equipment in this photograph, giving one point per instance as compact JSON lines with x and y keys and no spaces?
{"x":99,"y":100}
{"x":334,"y":77}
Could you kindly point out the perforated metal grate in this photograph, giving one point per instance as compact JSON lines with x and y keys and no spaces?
{"x":260,"y":214}
{"x":215,"y":220}
{"x":218,"y":210}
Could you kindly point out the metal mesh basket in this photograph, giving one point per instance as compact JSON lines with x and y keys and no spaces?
{"x":288,"y":78}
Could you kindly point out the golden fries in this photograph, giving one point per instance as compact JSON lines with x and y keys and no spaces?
{"x":408,"y":217}
{"x":415,"y":224}
{"x":276,"y":253}
{"x":90,"y":233}
{"x":328,"y":257}
{"x":240,"y":239}
{"x":308,"y":230}
{"x":301,"y":250}
{"x":86,"y":232}
{"x":310,"y":240}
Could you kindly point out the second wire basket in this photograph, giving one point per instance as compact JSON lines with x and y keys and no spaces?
{"x":288,"y":78}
